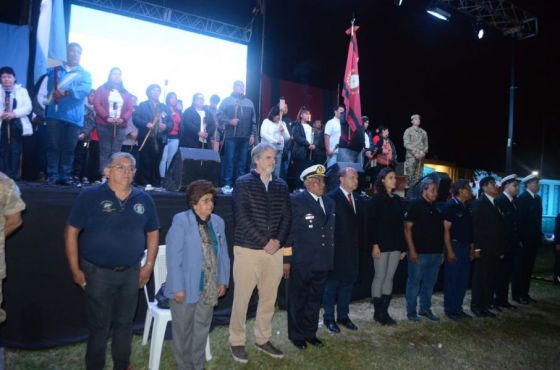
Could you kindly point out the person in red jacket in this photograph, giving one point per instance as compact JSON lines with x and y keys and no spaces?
{"x":113,"y":109}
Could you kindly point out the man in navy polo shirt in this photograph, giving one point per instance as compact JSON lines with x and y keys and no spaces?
{"x":117,"y":222}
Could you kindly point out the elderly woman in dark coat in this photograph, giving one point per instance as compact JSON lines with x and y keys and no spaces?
{"x":198,"y":269}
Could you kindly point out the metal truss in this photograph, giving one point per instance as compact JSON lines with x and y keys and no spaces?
{"x":172,"y":17}
{"x":500,"y":14}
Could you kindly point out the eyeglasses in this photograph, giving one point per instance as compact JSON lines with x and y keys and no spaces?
{"x":124,"y":169}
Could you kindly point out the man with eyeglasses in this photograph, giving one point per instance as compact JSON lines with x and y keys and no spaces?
{"x":117,"y":223}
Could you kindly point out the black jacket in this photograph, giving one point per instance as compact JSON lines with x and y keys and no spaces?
{"x":300,"y":149}
{"x":144,"y":115}
{"x":260,"y":215}
{"x":312,"y":233}
{"x":319,"y":155}
{"x":488,"y":227}
{"x":385,"y":223}
{"x":511,"y":221}
{"x":530,"y":218}
{"x":348,"y":236}
{"x":190,"y":127}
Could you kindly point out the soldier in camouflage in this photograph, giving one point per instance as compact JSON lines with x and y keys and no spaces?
{"x":11,"y":206}
{"x":416,"y":145}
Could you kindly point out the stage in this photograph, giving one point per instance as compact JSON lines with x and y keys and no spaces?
{"x":46,"y":309}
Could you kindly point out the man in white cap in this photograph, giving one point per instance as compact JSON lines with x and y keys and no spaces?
{"x":309,"y":257}
{"x":507,"y":204}
{"x":530,"y":229}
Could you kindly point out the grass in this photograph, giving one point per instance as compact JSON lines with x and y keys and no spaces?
{"x":528,"y":338}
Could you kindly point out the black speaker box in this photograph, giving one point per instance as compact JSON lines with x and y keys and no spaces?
{"x":331,"y":178}
{"x":190,"y":164}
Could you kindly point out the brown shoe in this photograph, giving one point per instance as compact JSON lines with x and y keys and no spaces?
{"x":239,"y":354}
{"x":270,"y":350}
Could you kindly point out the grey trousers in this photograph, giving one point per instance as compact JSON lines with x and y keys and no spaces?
{"x":190,"y":324}
{"x":109,"y":145}
{"x":385,"y":268}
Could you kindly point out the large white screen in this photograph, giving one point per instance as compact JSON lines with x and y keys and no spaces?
{"x":151,"y":53}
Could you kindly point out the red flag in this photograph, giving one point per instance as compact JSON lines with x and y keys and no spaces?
{"x":351,"y":91}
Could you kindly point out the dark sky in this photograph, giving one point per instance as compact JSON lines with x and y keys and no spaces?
{"x":412,"y":63}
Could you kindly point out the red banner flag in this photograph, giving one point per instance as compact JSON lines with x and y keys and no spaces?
{"x":351,"y":91}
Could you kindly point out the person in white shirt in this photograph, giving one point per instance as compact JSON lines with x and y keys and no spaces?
{"x":15,"y":106}
{"x":274,"y":131}
{"x":332,"y":135}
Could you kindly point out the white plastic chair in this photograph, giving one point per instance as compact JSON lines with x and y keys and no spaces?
{"x":159,"y":316}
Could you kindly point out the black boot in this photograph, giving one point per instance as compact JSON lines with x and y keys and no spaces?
{"x":386,"y":301}
{"x":378,"y":307}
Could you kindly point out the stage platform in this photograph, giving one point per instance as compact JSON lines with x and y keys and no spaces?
{"x":46,"y":309}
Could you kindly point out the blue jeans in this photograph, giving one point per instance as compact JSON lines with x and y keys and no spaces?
{"x":422,"y":277}
{"x":285,"y":164}
{"x":62,"y":140}
{"x":340,"y":293}
{"x":111,"y":299}
{"x":10,"y":155}
{"x":456,"y":278}
{"x":235,"y":158}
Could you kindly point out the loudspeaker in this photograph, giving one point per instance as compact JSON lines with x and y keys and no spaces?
{"x":191,"y":164}
{"x":443,"y":189}
{"x":331,"y":177}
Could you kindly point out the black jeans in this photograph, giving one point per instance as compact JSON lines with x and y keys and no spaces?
{"x":111,"y":300}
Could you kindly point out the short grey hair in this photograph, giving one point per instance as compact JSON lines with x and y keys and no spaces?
{"x":119,"y":155}
{"x":258,"y":150}
{"x":426,"y":182}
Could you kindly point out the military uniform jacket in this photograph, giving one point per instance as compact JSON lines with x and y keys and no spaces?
{"x":312,"y":233}
{"x":415,"y":140}
{"x":530,"y":218}
{"x":511,"y":221}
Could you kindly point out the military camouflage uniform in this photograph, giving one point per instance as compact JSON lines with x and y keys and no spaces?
{"x":10,"y":203}
{"x":415,"y":140}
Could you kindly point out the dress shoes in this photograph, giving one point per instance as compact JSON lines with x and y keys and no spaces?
{"x":486,"y":313}
{"x":314,"y":342}
{"x":463,"y":315}
{"x":482,"y":313}
{"x":530,"y":300}
{"x":495,"y":307}
{"x":332,"y":327}
{"x":476,"y":312}
{"x":521,"y":301}
{"x":508,"y":305}
{"x":299,"y":344}
{"x":348,"y":324}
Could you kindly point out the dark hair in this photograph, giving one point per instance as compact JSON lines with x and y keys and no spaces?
{"x":151,"y":87}
{"x":486,"y":180}
{"x":379,"y":186}
{"x":365,"y":119}
{"x":214,"y":99}
{"x":274,"y":111}
{"x":301,"y":111}
{"x":196,"y":95}
{"x":458,"y":185}
{"x":197,"y":189}
{"x":168,"y":97}
{"x":109,"y":85}
{"x":75,"y":45}
{"x":7,"y":70}
{"x":338,"y":106}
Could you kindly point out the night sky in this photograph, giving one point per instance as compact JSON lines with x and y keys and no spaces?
{"x":411,"y":62}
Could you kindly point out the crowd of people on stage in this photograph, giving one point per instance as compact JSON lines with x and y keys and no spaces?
{"x":311,"y":238}
{"x":77,"y":128}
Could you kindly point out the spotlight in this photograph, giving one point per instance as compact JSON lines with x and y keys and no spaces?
{"x":438,"y":13}
{"x":398,"y":2}
{"x":536,"y":173}
{"x":480,"y":33}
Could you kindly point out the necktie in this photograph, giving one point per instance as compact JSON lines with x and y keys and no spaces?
{"x":321,"y":205}
{"x":350,"y":200}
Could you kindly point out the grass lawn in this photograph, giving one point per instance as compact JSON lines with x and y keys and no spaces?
{"x":528,"y":338}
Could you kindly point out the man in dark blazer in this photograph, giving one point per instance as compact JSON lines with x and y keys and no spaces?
{"x":348,"y":235}
{"x":197,"y":126}
{"x":489,"y":247}
{"x":530,"y":230}
{"x":309,"y":256}
{"x":506,"y":203}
